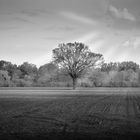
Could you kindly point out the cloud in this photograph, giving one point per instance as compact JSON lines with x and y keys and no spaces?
{"x":127,"y":43}
{"x":77,"y":17}
{"x":22,"y":19}
{"x":132,"y":43}
{"x":7,"y":28}
{"x":36,"y":13}
{"x":123,"y":14}
{"x":137,"y":43}
{"x":53,"y":38}
{"x":61,"y":28}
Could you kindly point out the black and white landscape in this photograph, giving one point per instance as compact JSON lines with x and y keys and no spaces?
{"x":69,"y":69}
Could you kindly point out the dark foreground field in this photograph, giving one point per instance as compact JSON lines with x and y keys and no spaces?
{"x":72,"y":115}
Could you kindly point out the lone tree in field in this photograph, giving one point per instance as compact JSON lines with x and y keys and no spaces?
{"x":75,"y":58}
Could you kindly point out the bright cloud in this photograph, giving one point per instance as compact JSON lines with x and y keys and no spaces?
{"x":137,"y":43}
{"x":133,"y":42}
{"x":123,"y":14}
{"x":77,"y":17}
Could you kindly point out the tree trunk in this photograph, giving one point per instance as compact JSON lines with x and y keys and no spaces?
{"x":74,"y":83}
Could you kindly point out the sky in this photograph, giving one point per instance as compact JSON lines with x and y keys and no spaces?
{"x":31,"y":29}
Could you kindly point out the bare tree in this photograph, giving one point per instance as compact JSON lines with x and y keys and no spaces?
{"x":75,"y":58}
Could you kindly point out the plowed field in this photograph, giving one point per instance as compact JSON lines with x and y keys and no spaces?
{"x":67,"y":114}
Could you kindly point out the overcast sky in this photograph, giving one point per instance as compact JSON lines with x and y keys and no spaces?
{"x":30,"y":29}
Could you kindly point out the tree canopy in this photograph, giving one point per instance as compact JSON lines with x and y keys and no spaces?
{"x":75,"y":58}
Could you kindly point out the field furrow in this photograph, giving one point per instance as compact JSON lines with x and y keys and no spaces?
{"x":99,"y":112}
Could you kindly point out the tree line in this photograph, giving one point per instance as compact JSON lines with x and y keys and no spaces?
{"x":73,"y":64}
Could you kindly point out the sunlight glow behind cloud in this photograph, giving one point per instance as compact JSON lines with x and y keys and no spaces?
{"x":43,"y":59}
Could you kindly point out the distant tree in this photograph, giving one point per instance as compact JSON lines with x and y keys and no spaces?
{"x":9,"y":67}
{"x":3,"y":64}
{"x":27,"y":68}
{"x":123,"y":66}
{"x":4,"y":79}
{"x":96,"y":77}
{"x":11,"y":70}
{"x":75,"y":58}
{"x":46,"y":74}
{"x":50,"y":75}
{"x":28,"y":73}
{"x":127,"y":65}
{"x":48,"y":69}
